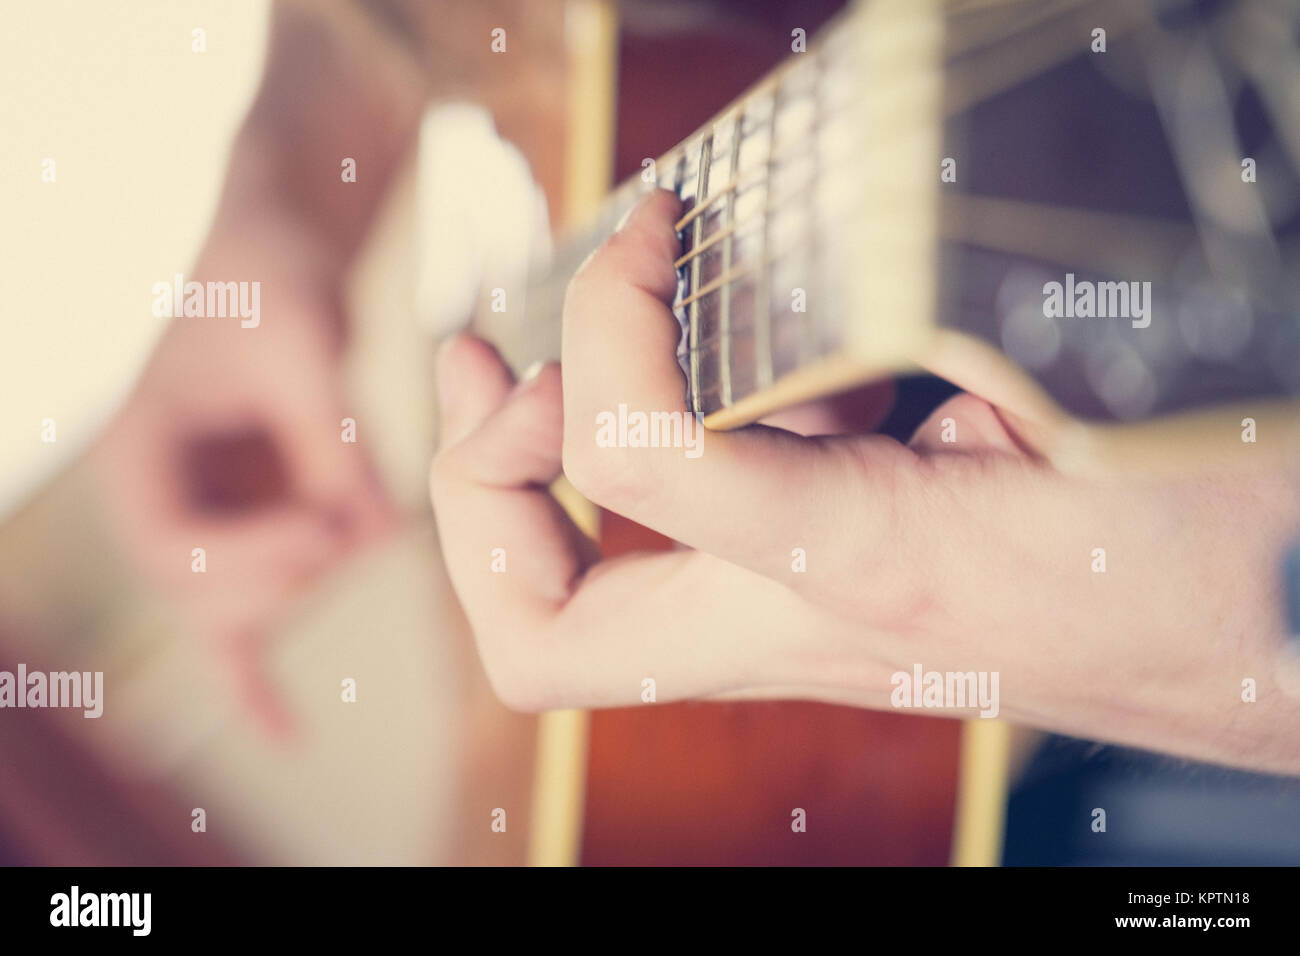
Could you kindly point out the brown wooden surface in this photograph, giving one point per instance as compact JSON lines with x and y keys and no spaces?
{"x":717,"y":783}
{"x":699,"y":784}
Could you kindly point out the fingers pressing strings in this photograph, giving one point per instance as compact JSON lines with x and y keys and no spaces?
{"x":553,"y":625}
{"x":749,"y":496}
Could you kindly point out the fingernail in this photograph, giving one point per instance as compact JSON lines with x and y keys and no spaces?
{"x":528,"y":377}
{"x":628,"y":215}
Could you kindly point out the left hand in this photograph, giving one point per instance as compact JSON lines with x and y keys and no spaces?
{"x":973,"y":555}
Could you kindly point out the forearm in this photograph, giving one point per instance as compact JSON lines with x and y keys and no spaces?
{"x":1172,"y":644}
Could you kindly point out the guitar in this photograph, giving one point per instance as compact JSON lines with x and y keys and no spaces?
{"x":1083,"y":212}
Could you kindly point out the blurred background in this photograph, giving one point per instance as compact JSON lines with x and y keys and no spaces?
{"x":140,"y":127}
{"x":140,"y":130}
{"x":144,"y":128}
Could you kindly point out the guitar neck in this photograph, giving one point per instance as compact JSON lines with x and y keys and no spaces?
{"x":739,"y":176}
{"x":899,"y":179}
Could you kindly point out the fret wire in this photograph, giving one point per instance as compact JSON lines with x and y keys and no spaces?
{"x":708,"y":244}
{"x":740,"y":226}
{"x":772,"y":85}
{"x":769,"y":83}
{"x":746,"y":269}
{"x":763,"y":287}
{"x":762,"y":290}
{"x":702,"y":207}
{"x":701,"y":187}
{"x":716,"y":284}
{"x":735,"y":184}
{"x":808,"y":318}
{"x":759,"y":174}
{"x":678,"y":187}
{"x":761,"y":214}
{"x":766,"y":86}
{"x":708,"y":347}
{"x":772,"y":82}
{"x":725,"y":322}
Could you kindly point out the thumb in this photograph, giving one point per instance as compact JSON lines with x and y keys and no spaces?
{"x":473,"y":382}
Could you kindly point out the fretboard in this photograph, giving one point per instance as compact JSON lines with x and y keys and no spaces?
{"x":817,"y":217}
{"x":759,"y":184}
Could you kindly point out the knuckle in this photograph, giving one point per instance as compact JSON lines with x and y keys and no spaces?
{"x":519,"y":687}
{"x":513,"y":693}
{"x":604,"y":476}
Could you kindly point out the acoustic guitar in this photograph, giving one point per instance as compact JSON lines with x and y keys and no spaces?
{"x":1083,"y":212}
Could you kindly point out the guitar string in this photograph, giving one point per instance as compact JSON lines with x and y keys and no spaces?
{"x":762,"y":88}
{"x":768,"y":85}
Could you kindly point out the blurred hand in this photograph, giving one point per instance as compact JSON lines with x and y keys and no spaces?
{"x":971,"y":555}
{"x":232,"y":442}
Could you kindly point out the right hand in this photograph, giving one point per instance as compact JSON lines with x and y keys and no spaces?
{"x":232,"y":442}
